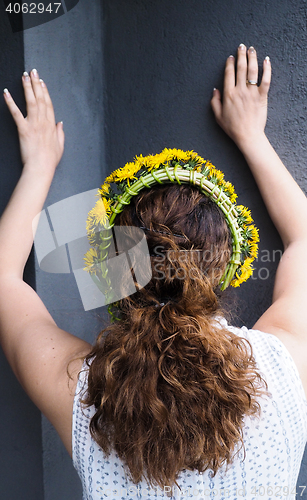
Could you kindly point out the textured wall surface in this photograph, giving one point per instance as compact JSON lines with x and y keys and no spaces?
{"x":135,"y":80}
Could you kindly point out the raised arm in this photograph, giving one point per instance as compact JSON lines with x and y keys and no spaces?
{"x":242,"y":114}
{"x":37,"y":350}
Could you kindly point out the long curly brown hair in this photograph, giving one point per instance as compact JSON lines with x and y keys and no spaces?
{"x":171,"y":386}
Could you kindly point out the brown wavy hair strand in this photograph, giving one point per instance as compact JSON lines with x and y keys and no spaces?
{"x":170,"y":385}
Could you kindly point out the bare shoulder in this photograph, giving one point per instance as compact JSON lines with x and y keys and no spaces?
{"x":295,"y":344}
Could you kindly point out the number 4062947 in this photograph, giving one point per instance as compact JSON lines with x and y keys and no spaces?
{"x":277,"y":491}
{"x":32,"y":8}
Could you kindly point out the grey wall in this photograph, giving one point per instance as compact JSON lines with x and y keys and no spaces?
{"x":20,"y":429}
{"x":131,"y":77}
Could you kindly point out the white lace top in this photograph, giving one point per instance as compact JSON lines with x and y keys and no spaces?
{"x":274,"y":444}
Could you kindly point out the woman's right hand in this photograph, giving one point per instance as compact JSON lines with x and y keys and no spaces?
{"x":242,"y":113}
{"x":41,"y":139}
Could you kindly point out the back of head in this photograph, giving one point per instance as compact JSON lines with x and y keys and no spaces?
{"x":170,"y":384}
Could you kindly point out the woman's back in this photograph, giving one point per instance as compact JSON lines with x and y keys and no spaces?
{"x":274,"y":443}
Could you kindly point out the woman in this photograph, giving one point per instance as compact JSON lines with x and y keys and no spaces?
{"x":183,"y":446}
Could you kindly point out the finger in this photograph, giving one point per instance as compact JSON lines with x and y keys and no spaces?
{"x":252,"y":66}
{"x":29,"y":95}
{"x":216,"y":104}
{"x":49,"y":105}
{"x":14,"y":110}
{"x":266,"y":77}
{"x":229,"y":75}
{"x":38,"y":91}
{"x":241,"y":66}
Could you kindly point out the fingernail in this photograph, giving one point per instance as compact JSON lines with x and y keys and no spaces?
{"x":6,"y":92}
{"x":231,"y":57}
{"x":42,"y":82}
{"x":26,"y":76}
{"x":251,"y":49}
{"x":62,"y":123}
{"x":214,"y":89}
{"x":267,"y":59}
{"x":35,"y":73}
{"x":241,"y":46}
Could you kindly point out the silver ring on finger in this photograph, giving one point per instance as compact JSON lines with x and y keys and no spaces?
{"x":251,"y":82}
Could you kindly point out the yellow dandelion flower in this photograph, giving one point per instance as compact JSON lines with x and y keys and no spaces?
{"x":200,"y":161}
{"x":254,"y":250}
{"x":247,"y":268}
{"x":245,"y":213}
{"x":104,"y":189}
{"x":111,"y":177}
{"x":216,"y":176}
{"x":154,"y":161}
{"x":114,"y":176}
{"x":98,"y":215}
{"x":214,"y":172}
{"x":255,"y":233}
{"x":132,"y":168}
{"x":229,"y":187}
{"x":127,"y":172}
{"x":246,"y":271}
{"x":169,"y":154}
{"x":181,"y":155}
{"x":230,"y":190}
{"x":162,"y":157}
{"x":209,"y":165}
{"x":233,"y":198}
{"x":93,"y":238}
{"x":141,"y":162}
{"x":89,"y":225}
{"x":195,"y":156}
{"x":90,"y":259}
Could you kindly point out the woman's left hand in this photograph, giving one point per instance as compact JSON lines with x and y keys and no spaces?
{"x":41,"y":139}
{"x":242,"y":113}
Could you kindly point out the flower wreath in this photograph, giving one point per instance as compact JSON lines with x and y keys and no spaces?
{"x":170,"y":166}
